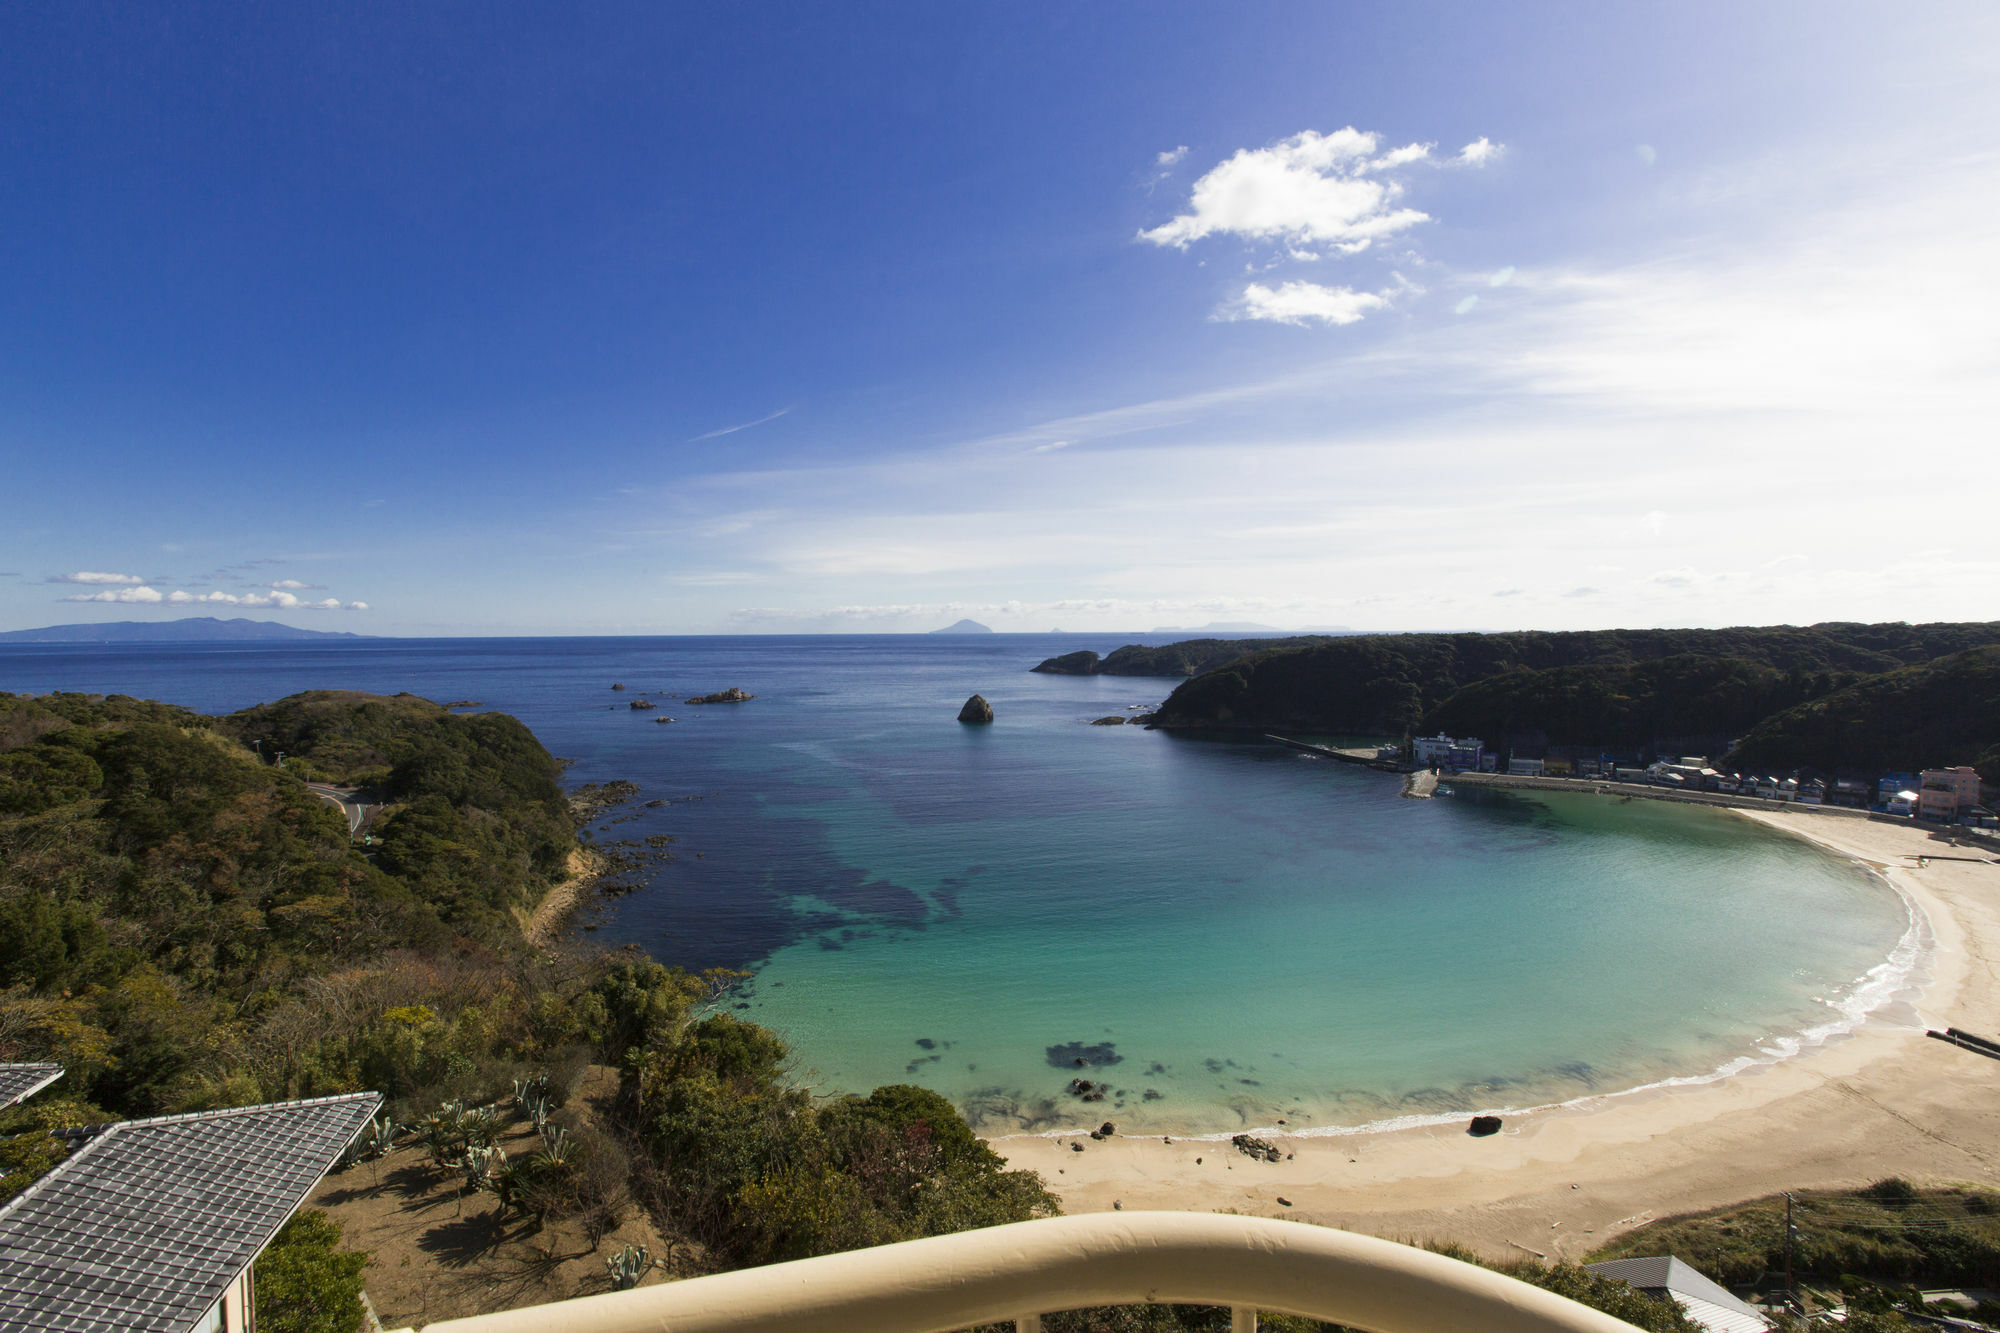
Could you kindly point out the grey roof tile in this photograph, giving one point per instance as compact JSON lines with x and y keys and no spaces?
{"x":20,"y":1082}
{"x":146,"y":1224}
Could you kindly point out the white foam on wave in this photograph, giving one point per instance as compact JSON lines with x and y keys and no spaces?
{"x":1885,"y":994}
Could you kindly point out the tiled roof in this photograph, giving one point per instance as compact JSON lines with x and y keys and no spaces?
{"x":146,"y":1225}
{"x":20,"y":1082}
{"x":1707,"y":1302}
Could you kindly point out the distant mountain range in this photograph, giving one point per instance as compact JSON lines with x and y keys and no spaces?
{"x":193,"y":629}
{"x":965,"y":627}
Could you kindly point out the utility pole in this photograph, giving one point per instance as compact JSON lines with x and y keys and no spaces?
{"x":1791,"y":1291}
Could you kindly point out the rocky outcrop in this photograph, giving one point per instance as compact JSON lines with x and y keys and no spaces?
{"x":618,"y":686}
{"x":1257,"y":1149}
{"x":976,"y":710}
{"x":732,"y":695}
{"x":641,"y":705}
{"x":1482,"y":1125}
{"x":1115,"y":720}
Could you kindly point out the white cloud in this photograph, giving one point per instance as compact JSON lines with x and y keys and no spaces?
{"x":1647,"y":153}
{"x":277,"y":599}
{"x":293,"y":585}
{"x":92,"y":576}
{"x":1302,"y":303}
{"x":1312,"y":188}
{"x":1465,"y":304}
{"x":1172,"y":156}
{"x":141,"y":595}
{"x":1480,"y":151}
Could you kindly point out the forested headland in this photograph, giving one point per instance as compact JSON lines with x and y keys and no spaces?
{"x":1828,"y":696}
{"x":189,"y":928}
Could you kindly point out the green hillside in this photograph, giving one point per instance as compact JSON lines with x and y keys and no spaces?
{"x":1376,"y":684}
{"x":1934,"y":715}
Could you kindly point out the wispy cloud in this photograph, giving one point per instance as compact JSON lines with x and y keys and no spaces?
{"x":731,"y":430}
{"x":97,"y":578}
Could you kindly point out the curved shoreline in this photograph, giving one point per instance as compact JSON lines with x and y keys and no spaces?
{"x":1876,"y":1101}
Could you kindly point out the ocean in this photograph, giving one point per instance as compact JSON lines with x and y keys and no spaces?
{"x":1212,"y":934}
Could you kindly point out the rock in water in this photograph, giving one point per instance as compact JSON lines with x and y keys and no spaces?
{"x":976,"y":710}
{"x":733,"y":695}
{"x":1482,"y":1125}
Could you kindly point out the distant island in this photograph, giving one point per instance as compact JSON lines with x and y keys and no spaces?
{"x":965,"y":627}
{"x":191,"y":629}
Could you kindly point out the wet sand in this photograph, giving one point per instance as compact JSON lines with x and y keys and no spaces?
{"x":1557,"y":1183}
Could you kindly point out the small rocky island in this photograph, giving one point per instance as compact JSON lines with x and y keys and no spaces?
{"x":733,"y":695}
{"x":976,"y":710}
{"x":965,"y":627}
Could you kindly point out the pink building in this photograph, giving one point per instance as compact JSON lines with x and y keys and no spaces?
{"x":1947,"y":792}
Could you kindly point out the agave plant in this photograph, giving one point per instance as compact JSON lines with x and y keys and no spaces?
{"x":628,"y":1266}
{"x":380,"y":1137}
{"x":555,"y":1147}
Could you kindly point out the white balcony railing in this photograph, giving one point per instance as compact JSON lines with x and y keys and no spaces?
{"x":1016,"y":1273}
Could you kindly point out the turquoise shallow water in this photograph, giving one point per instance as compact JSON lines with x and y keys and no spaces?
{"x":1243,"y":932}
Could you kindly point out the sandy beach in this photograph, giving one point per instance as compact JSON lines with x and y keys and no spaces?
{"x":1556,"y":1183}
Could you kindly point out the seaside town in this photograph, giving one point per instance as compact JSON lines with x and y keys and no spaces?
{"x":1942,"y":796}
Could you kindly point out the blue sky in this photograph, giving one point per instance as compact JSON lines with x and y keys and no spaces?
{"x":473,"y":319}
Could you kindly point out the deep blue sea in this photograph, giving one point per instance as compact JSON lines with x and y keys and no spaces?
{"x":1227,"y":933}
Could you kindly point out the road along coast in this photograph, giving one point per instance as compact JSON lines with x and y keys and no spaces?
{"x":1557,"y":1182}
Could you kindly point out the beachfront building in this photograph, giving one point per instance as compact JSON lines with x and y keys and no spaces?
{"x":1903,"y":803}
{"x":154,"y":1225}
{"x":1944,"y":792}
{"x":1889,"y":785}
{"x":1525,"y":768}
{"x":1666,"y":1278}
{"x":1447,"y":752}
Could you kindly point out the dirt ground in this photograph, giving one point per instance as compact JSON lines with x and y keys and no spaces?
{"x":439,"y":1254}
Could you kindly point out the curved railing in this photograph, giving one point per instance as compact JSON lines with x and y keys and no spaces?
{"x":1013,"y":1273}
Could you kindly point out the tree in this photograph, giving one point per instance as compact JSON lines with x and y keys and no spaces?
{"x":305,"y":1282}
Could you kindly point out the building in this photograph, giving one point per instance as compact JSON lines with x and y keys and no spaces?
{"x":1447,"y":752}
{"x":1666,"y":1278}
{"x":1525,"y":768}
{"x":153,"y":1225}
{"x":1903,"y":803}
{"x":1944,"y":792}
{"x":1890,"y":784}
{"x":20,"y":1082}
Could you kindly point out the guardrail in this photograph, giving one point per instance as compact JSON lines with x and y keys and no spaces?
{"x":1015,"y":1273}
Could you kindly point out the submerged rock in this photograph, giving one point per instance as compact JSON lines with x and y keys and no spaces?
{"x":976,"y":710}
{"x":1079,"y":1055}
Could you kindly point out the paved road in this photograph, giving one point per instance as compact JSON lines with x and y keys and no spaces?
{"x":357,"y":811}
